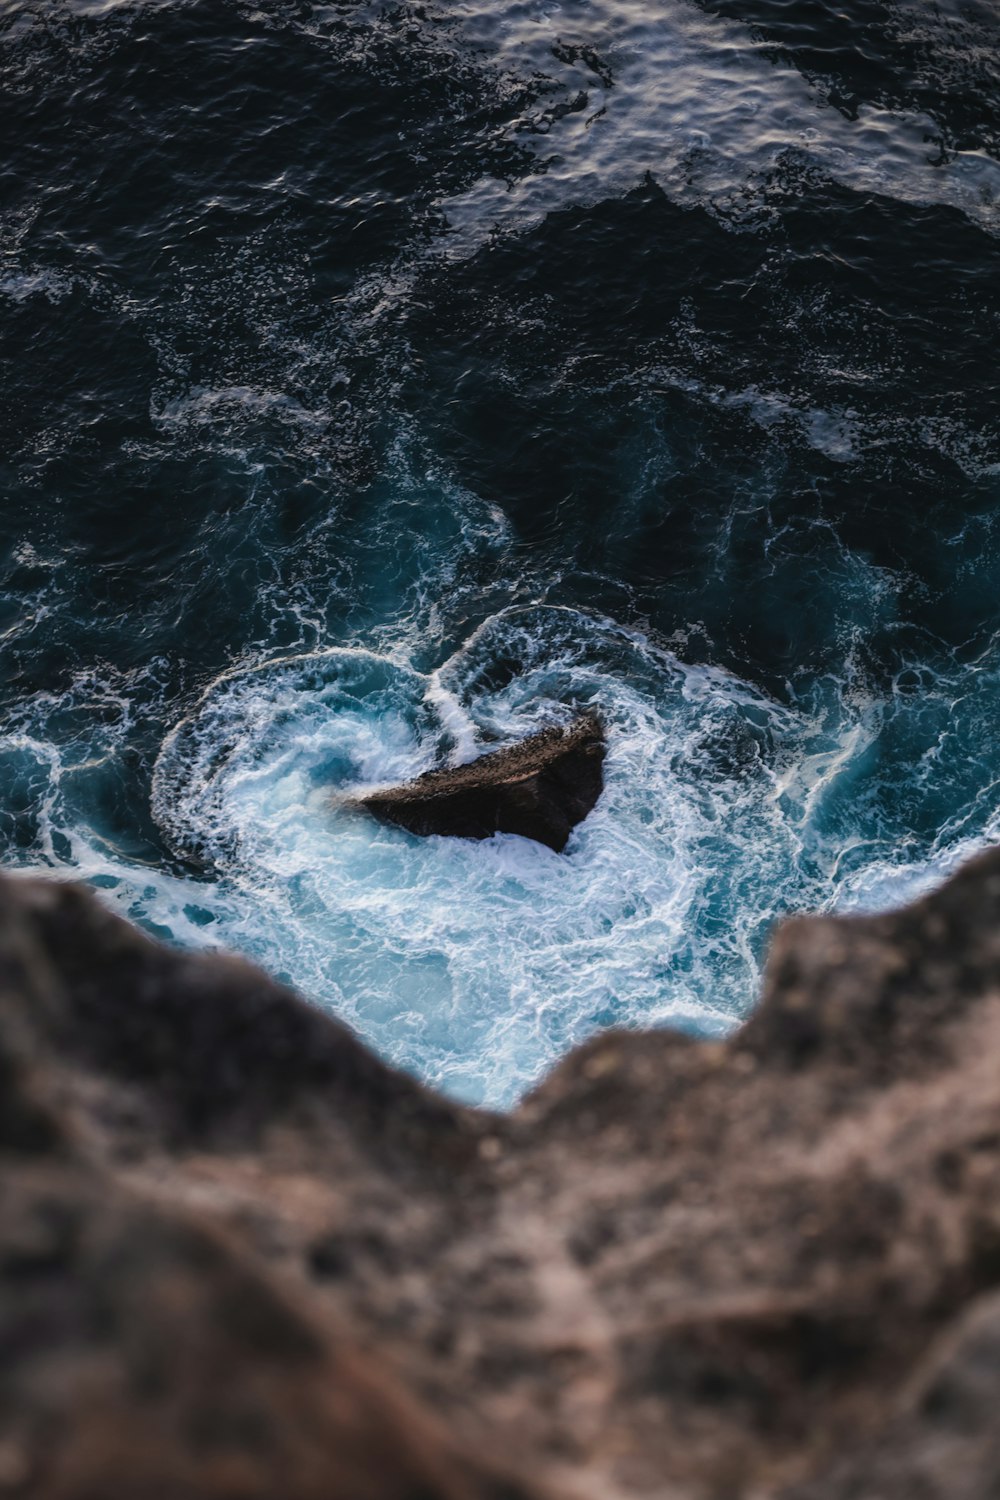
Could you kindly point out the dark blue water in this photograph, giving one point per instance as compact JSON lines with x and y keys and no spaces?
{"x":381,"y":381}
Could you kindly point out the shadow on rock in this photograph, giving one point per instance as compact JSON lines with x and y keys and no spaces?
{"x":539,"y":788}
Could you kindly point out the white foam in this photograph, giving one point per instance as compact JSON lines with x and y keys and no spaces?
{"x":205,"y":406}
{"x":477,"y":964}
{"x":19,"y":285}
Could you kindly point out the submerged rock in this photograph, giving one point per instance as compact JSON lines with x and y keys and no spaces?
{"x":242,"y":1257}
{"x":540,"y":788}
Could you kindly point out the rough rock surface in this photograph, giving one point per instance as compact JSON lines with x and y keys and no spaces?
{"x":241,"y":1258}
{"x":540,"y":788}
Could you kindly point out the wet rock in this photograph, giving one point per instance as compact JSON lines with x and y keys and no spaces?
{"x":242,"y":1257}
{"x":540,"y":788}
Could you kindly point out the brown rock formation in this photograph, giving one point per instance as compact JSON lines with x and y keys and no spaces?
{"x":241,"y":1258}
{"x":540,"y":788}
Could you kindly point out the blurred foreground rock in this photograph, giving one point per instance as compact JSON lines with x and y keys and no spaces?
{"x":241,"y":1258}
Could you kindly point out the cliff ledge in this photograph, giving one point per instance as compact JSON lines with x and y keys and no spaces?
{"x":242,"y":1258}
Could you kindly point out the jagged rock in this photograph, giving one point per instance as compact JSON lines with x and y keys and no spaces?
{"x":540,"y":788}
{"x":240,"y":1257}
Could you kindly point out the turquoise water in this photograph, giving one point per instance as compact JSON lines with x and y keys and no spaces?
{"x":381,"y":383}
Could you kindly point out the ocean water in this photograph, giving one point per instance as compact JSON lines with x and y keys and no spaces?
{"x":383,"y":381}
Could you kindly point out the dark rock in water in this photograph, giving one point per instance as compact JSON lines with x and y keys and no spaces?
{"x":540,"y":788}
{"x":242,"y":1257}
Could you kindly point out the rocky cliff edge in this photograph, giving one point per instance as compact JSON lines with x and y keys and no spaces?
{"x":242,"y":1258}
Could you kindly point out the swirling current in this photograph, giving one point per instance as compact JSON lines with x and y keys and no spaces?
{"x":382,"y":381}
